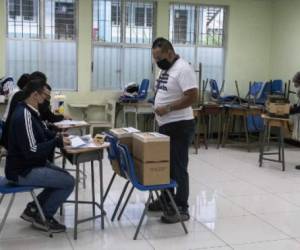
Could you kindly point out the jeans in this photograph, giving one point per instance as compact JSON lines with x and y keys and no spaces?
{"x":181,"y":135}
{"x":58,"y":184}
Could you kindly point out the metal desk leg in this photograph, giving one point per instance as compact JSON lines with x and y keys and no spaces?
{"x":219,"y":130}
{"x":76,"y":200}
{"x":246,"y":132}
{"x":262,"y":145}
{"x":282,"y":147}
{"x":93,"y":187}
{"x":101,"y":190}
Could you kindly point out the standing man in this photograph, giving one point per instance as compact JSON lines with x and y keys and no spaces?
{"x":176,"y":91}
{"x":295,"y":109}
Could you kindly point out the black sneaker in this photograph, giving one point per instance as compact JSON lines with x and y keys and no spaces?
{"x":30,"y":212}
{"x":155,"y":206}
{"x":54,"y":225}
{"x":171,"y":217}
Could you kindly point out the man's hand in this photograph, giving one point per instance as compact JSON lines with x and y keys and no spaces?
{"x":162,"y":110}
{"x":67,"y":117}
{"x":66,"y":141}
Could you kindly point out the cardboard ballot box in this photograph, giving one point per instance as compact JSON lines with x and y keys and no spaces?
{"x":151,"y":152}
{"x":125,"y":137}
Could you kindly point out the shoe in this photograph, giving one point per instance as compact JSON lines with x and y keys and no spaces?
{"x":156,"y":207}
{"x":297,"y":167}
{"x":29,"y":213}
{"x":171,"y":217}
{"x":53,"y":224}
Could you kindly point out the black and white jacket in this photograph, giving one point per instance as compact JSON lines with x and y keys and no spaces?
{"x":30,"y":142}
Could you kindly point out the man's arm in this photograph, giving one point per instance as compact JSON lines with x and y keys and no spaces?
{"x":188,"y":99}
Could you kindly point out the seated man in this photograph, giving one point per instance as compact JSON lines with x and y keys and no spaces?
{"x":45,"y":108}
{"x":29,"y":144}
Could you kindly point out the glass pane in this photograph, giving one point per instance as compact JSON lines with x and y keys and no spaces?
{"x":212,"y":60}
{"x":106,"y":21}
{"x":107,"y":73}
{"x":23,"y":18}
{"x":60,"y":19}
{"x":137,"y":65}
{"x":211,"y":26}
{"x":182,"y":23}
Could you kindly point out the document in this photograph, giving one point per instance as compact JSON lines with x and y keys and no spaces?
{"x":70,"y":123}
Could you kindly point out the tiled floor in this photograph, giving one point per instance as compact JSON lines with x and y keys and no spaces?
{"x":234,"y":204}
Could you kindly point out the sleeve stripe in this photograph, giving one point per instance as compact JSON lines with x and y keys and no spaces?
{"x":28,"y":125}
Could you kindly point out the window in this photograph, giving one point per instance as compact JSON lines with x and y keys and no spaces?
{"x":197,"y":33}
{"x":139,"y":16}
{"x":211,"y":29}
{"x":115,"y":14}
{"x":121,"y":51}
{"x":23,"y":18}
{"x":49,"y":47}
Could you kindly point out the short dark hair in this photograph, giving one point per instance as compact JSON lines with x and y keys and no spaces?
{"x":34,"y":85}
{"x":162,"y":43}
{"x":38,"y":75}
{"x":296,"y":78}
{"x":23,"y":80}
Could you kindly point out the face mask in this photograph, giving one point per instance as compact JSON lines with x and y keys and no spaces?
{"x":44,"y":106}
{"x":164,"y":64}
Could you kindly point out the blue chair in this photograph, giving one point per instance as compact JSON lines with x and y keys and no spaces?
{"x":7,"y":187}
{"x":113,"y":155}
{"x":142,"y":93}
{"x":127,"y":164}
{"x":254,"y":90}
{"x":216,"y":93}
{"x":270,"y":87}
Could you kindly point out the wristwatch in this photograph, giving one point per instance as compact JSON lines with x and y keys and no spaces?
{"x":168,"y":108}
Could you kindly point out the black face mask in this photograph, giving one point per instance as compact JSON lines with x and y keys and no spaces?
{"x":44,"y":106}
{"x":164,"y":64}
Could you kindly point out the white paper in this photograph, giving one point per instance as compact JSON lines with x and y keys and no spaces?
{"x":157,"y":134}
{"x":131,"y":130}
{"x":77,"y":142}
{"x":70,"y":123}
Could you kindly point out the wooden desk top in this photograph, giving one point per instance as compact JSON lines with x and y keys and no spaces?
{"x":80,"y":106}
{"x":137,"y":104}
{"x":265,"y":116}
{"x":74,"y":151}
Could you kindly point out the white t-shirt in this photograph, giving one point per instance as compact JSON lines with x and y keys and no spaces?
{"x":171,"y":84}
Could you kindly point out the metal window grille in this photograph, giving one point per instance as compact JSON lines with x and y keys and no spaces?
{"x":211,"y":26}
{"x":60,"y":19}
{"x":41,"y":35}
{"x":182,"y":23}
{"x":23,"y":19}
{"x":197,"y":32}
{"x":122,"y":31}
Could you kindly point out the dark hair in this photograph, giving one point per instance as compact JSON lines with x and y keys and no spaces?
{"x":23,"y":80}
{"x":34,"y":85}
{"x":38,"y":75}
{"x":162,"y":43}
{"x":296,"y":78}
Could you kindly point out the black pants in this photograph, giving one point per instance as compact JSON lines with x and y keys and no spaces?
{"x":181,"y":134}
